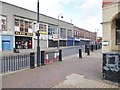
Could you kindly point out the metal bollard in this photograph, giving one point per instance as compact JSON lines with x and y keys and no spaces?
{"x":96,"y":47}
{"x":60,"y":55}
{"x":32,"y":60}
{"x":80,"y":53}
{"x":91,"y":47}
{"x":42,"y":58}
{"x":88,"y":51}
{"x":85,"y":48}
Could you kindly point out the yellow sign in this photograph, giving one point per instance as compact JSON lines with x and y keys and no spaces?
{"x":24,"y":33}
{"x":42,"y":32}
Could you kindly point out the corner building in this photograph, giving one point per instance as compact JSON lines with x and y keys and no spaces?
{"x":111,"y":26}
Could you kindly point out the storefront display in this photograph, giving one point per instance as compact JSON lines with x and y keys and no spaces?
{"x":23,"y":42}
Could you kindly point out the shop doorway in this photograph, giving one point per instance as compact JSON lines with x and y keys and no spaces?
{"x":5,"y":45}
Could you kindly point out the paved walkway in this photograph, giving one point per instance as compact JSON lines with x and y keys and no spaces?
{"x":72,"y":72}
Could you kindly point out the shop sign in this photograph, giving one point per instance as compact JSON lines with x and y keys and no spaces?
{"x":42,"y":32}
{"x":105,"y":43}
{"x":55,"y":37}
{"x":70,"y":38}
{"x":24,"y":33}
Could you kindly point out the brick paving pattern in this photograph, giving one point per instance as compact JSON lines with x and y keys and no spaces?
{"x":54,"y":75}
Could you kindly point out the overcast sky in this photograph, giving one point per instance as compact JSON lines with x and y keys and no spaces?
{"x":85,"y":14}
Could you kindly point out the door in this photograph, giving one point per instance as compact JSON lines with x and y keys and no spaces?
{"x":5,"y":45}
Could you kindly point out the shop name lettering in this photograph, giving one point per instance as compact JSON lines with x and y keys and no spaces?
{"x":24,"y":33}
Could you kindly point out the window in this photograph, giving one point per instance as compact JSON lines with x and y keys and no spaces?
{"x":17,"y":22}
{"x":117,"y":31}
{"x":30,"y":25}
{"x":62,"y":32}
{"x":26,"y":26}
{"x":69,"y":33}
{"x":43,"y":27}
{"x":22,"y":25}
{"x":118,"y":36}
{"x":49,"y":30}
{"x":3,"y":23}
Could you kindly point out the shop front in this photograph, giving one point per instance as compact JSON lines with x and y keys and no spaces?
{"x":63,"y":42}
{"x":76,"y":41}
{"x":7,"y":42}
{"x":22,"y":42}
{"x":70,"y":41}
{"x":84,"y":41}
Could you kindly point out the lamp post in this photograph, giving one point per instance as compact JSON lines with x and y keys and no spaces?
{"x":96,"y":30}
{"x":38,"y":34}
{"x":59,"y":16}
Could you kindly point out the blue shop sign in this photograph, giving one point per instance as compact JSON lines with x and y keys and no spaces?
{"x":70,"y":38}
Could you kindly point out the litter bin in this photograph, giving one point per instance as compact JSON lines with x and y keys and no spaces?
{"x":32,"y":60}
{"x":42,"y":58}
{"x":111,"y":66}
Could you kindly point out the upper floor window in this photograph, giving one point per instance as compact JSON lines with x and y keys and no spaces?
{"x":62,"y":32}
{"x":69,"y":33}
{"x":3,"y":23}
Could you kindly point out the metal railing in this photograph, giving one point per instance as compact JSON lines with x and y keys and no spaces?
{"x":20,"y":61}
{"x":14,"y":62}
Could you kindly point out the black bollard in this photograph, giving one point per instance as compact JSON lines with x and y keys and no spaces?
{"x":85,"y":48}
{"x":91,"y":47}
{"x":60,"y":55}
{"x":88,"y":51}
{"x":96,"y":46}
{"x":42,"y":58}
{"x":32,"y":60}
{"x":80,"y":53}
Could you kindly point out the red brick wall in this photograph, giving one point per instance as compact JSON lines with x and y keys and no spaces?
{"x":109,"y":1}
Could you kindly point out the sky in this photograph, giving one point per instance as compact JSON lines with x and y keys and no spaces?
{"x":86,"y":14}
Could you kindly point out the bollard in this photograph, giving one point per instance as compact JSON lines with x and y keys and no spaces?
{"x":80,"y":53}
{"x":88,"y":51}
{"x":85,"y":48}
{"x":91,"y":47}
{"x":96,"y":46}
{"x":32,"y":60}
{"x":60,"y":55}
{"x":42,"y":58}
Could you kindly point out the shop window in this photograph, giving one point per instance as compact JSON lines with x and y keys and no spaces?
{"x":23,"y":42}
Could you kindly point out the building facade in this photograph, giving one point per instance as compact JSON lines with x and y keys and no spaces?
{"x":83,"y":37}
{"x":18,"y":30}
{"x":111,"y":26}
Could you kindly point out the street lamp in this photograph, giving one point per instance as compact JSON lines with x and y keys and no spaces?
{"x":96,"y":31}
{"x":38,"y":34}
{"x":59,"y":16}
